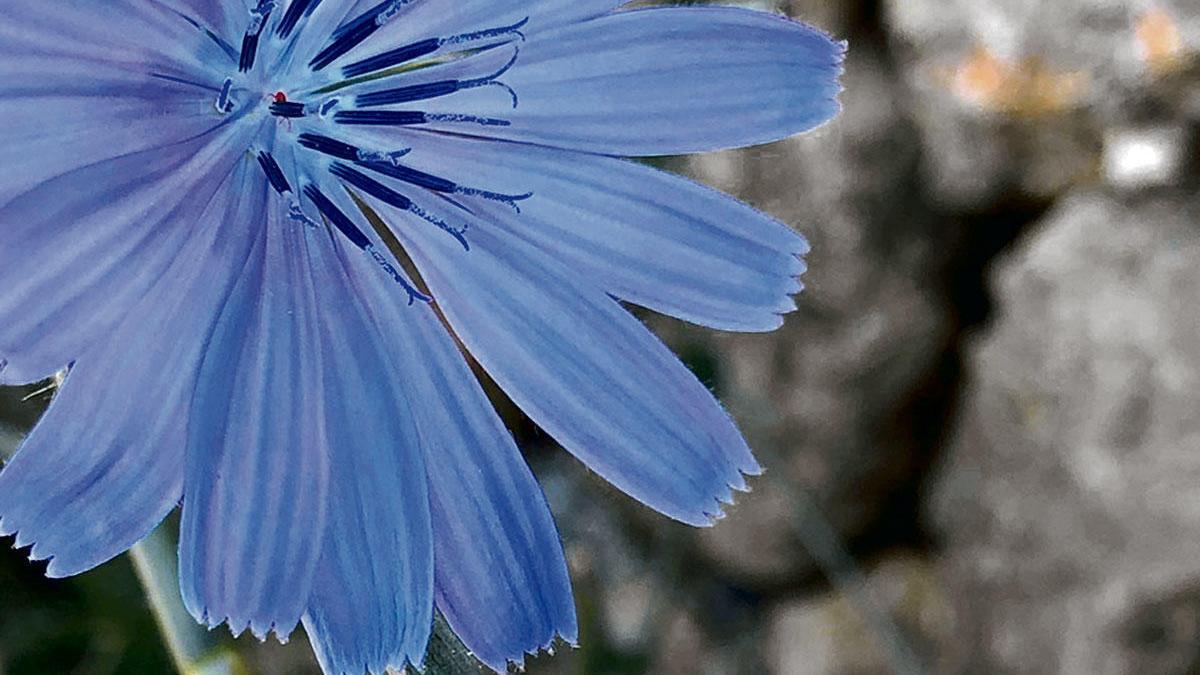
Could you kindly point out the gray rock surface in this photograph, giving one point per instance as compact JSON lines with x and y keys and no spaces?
{"x":825,"y":634}
{"x":1069,"y":505}
{"x":1013,"y":98}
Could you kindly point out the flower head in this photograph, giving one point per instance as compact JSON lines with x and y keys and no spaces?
{"x":189,"y":220}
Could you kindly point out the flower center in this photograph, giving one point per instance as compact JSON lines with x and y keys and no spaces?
{"x":323,"y":107}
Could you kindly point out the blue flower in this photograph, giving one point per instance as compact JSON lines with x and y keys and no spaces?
{"x":184,"y":221}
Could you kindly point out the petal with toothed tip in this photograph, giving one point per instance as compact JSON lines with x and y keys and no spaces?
{"x":371,"y":605}
{"x":644,"y":235}
{"x":585,"y":370}
{"x":663,"y":81}
{"x":254,"y":517}
{"x":83,"y":503}
{"x":501,"y":579}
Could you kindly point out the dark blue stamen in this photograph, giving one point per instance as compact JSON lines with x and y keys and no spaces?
{"x":416,"y":92}
{"x":371,"y":186}
{"x":288,"y":110}
{"x":329,"y":146}
{"x":390,"y":196}
{"x":342,"y":45}
{"x":420,"y":92}
{"x":338,"y":219}
{"x":249,"y":51}
{"x":259,"y":17}
{"x":416,"y":50}
{"x":296,"y":11}
{"x":328,"y":106}
{"x":274,"y":173}
{"x":357,"y":31}
{"x":350,"y":153}
{"x":395,"y":57}
{"x":399,"y":118}
{"x":375,"y":117}
{"x":392,"y":168}
{"x":369,"y":16}
{"x":413,"y":177}
{"x":356,"y":236}
{"x":224,"y":102}
{"x":436,"y":184}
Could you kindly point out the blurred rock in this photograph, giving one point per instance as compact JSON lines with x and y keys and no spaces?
{"x":682,"y":650}
{"x":1115,"y":43}
{"x":818,"y":398}
{"x":1013,"y":98}
{"x":1069,"y":504}
{"x":826,"y":635}
{"x":614,"y":566}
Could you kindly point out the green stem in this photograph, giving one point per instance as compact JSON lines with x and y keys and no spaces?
{"x":195,"y":650}
{"x":447,"y":655}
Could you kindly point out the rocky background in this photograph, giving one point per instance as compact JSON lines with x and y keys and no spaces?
{"x":982,"y":427}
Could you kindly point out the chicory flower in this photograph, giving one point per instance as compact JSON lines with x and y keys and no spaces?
{"x":189,"y":200}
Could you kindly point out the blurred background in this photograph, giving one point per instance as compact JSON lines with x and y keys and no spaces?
{"x":983,"y":421}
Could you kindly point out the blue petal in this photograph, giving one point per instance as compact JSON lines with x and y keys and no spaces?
{"x":75,"y":90}
{"x":643,"y":235}
{"x":133,"y":35}
{"x":227,"y":20}
{"x":372,"y":599}
{"x":105,"y":464}
{"x":663,"y":81}
{"x":584,"y":369}
{"x":501,"y":578}
{"x":257,"y":466}
{"x":77,"y":253}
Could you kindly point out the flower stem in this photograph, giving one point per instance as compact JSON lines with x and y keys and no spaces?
{"x":194,"y":649}
{"x":447,"y":655}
